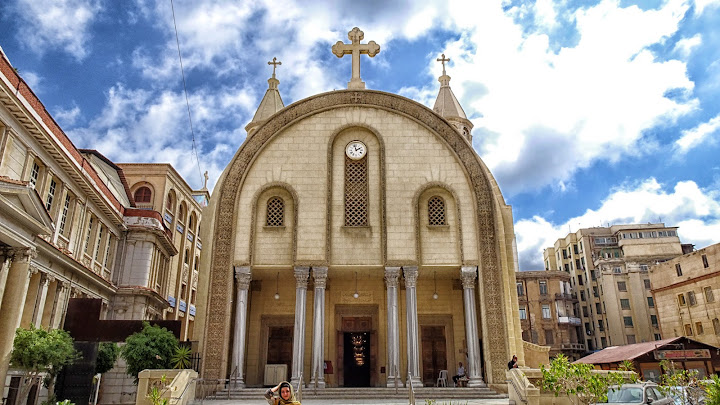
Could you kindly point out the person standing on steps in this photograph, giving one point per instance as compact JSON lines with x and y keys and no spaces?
{"x":460,"y":374}
{"x":286,"y":395}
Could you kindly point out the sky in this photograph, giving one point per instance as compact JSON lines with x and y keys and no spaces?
{"x":588,"y":113}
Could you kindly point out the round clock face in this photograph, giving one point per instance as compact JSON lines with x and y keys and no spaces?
{"x":355,"y":150}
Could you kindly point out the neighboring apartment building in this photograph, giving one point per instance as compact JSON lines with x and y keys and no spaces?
{"x":687,"y":295}
{"x":548,"y":312}
{"x":609,"y":269}
{"x":160,"y":188}
{"x":69,"y":227}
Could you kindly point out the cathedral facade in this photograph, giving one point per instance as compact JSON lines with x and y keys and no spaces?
{"x":357,"y":239}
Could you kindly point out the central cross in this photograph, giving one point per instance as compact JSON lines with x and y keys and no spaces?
{"x":443,"y":59}
{"x":355,"y":49}
{"x":275,"y":64}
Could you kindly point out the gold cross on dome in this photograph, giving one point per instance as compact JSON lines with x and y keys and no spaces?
{"x":443,"y":59}
{"x":275,"y":64}
{"x":355,"y":49}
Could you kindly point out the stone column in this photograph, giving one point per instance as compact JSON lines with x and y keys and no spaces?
{"x":243,"y":275}
{"x":318,"y":347}
{"x":393,"y":328}
{"x":413,"y":348}
{"x":13,"y":302}
{"x":4,"y":269}
{"x":40,"y":300}
{"x":61,"y":311}
{"x":468,"y":275}
{"x":298,"y":364}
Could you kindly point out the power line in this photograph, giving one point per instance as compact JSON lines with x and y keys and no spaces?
{"x":187,"y":100}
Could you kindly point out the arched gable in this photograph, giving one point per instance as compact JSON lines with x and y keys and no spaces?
{"x":487,"y":200}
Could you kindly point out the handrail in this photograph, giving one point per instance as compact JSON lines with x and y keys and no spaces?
{"x":517,"y":389}
{"x":191,"y":382}
{"x":411,"y":389}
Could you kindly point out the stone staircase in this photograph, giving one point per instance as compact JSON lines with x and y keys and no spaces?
{"x":368,"y":393}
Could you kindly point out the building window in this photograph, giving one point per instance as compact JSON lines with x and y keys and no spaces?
{"x":627,"y":320}
{"x":520,"y":289}
{"x":543,"y":287}
{"x":436,"y":211}
{"x":624,"y":303}
{"x":595,"y":291}
{"x":651,"y":302}
{"x":546,"y":311}
{"x":64,"y":213}
{"x":631,"y":339}
{"x":681,"y":299}
{"x":275,"y":215}
{"x":549,"y":340}
{"x":654,"y":321}
{"x":580,"y":279}
{"x":617,"y":270}
{"x":567,"y":267}
{"x":107,"y":250}
{"x":50,"y":195}
{"x":688,"y":330}
{"x":601,"y":325}
{"x":523,"y":313}
{"x":585,"y":311}
{"x":143,"y":195}
{"x":598,"y":309}
{"x":699,"y":328}
{"x":691,"y":298}
{"x":89,"y":235}
{"x":97,"y":244}
{"x":644,"y":267}
{"x":621,"y":286}
{"x":709,"y":297}
{"x":603,"y":341}
{"x":582,"y":295}
{"x":356,"y":192}
{"x":678,"y":269}
{"x":705,"y":261}
{"x":657,"y":336}
{"x":716,"y":326}
{"x":34,"y":174}
{"x":647,"y":284}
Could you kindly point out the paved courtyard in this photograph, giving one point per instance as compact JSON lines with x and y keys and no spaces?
{"x":439,"y":401}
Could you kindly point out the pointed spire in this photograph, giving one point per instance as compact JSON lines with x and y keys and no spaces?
{"x":271,"y":102}
{"x":448,"y":107}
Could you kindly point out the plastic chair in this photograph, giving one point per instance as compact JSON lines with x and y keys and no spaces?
{"x":442,"y":379}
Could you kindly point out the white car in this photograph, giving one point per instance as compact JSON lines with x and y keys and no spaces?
{"x":642,"y":393}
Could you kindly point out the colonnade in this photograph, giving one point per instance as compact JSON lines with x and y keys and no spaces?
{"x":468,"y":275}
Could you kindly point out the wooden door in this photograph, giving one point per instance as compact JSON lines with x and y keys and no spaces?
{"x":280,"y":343}
{"x":434,"y":353}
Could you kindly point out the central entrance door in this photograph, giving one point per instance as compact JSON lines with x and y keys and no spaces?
{"x":280,"y":342}
{"x":356,"y":358}
{"x":434,"y":353}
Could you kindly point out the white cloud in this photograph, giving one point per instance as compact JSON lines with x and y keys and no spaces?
{"x":694,"y":210}
{"x":693,"y":137}
{"x":701,"y":5}
{"x":51,"y":24}
{"x":67,"y":117}
{"x":685,"y":46}
{"x":33,"y":80}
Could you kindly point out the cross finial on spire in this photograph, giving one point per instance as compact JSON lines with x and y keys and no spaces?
{"x":275,"y":64}
{"x":443,"y":60}
{"x":355,"y":49}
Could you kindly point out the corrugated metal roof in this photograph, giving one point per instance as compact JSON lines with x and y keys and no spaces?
{"x":617,"y":354}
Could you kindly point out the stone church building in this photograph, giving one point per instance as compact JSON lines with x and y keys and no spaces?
{"x":357,"y":239}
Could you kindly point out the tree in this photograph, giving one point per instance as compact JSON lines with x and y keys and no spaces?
{"x":712,"y":389}
{"x":37,"y":351}
{"x":680,"y":383}
{"x":108,"y":353}
{"x":182,"y":357}
{"x":578,"y":381}
{"x":151,"y":348}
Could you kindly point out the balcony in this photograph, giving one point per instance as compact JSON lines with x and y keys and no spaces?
{"x":569,"y":320}
{"x":575,"y":347}
{"x":566,"y":296}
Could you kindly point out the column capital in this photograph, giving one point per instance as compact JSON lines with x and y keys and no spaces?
{"x":302,"y":273}
{"x":391,"y":276}
{"x":468,"y":275}
{"x":411,"y":275}
{"x":65,"y":285}
{"x":243,"y":276}
{"x":320,"y":276}
{"x":22,"y":253}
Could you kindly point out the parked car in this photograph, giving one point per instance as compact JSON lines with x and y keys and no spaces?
{"x":642,"y":393}
{"x":686,"y":395}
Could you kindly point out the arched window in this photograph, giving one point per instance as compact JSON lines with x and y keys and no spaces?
{"x":275,"y":212}
{"x":170,"y":201}
{"x":143,"y":195}
{"x":436,"y":211}
{"x":181,"y":213}
{"x":356,"y":191}
{"x":187,"y":256}
{"x":191,"y":222}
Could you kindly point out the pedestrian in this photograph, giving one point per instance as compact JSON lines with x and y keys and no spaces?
{"x":286,"y":395}
{"x":460,"y":374}
{"x":513,"y":363}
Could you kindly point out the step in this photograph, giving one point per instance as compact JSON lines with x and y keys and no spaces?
{"x":368,"y":393}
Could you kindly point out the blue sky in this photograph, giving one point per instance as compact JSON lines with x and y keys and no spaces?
{"x":587,"y":112}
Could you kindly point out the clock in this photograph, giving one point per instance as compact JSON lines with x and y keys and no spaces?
{"x":355,"y":150}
